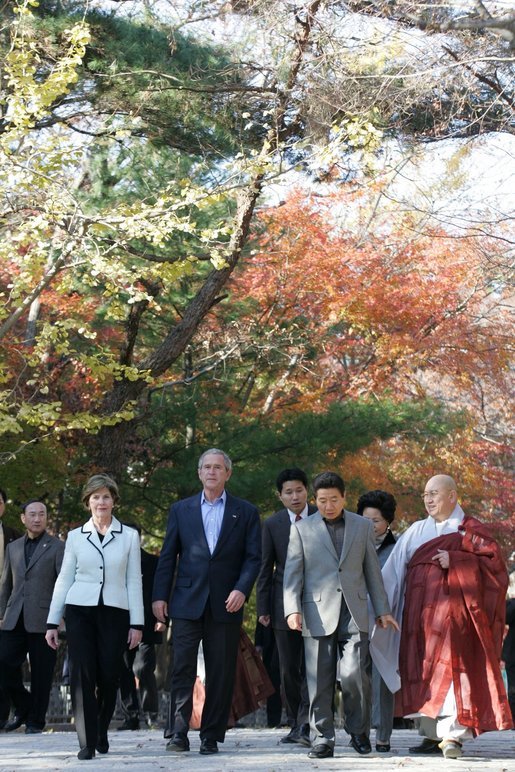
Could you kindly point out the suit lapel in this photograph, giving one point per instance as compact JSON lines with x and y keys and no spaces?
{"x":114,"y":529}
{"x":320,"y":526}
{"x":283,"y":530}
{"x":92,"y":536}
{"x":348,"y":537}
{"x":230,"y":520}
{"x":195,"y":520}
{"x":39,"y":551}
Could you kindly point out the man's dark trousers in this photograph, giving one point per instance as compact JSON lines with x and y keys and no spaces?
{"x":14,"y":646}
{"x":290,"y":645}
{"x":220,"y":646}
{"x":139,"y":662}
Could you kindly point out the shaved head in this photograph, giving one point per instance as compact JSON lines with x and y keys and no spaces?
{"x":440,"y":497}
{"x":442,"y":481}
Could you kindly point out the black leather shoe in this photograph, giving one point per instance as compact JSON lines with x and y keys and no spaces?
{"x":131,"y":723}
{"x":291,"y":737}
{"x":86,"y":753}
{"x":33,"y":730}
{"x":321,"y":751}
{"x":360,"y":743}
{"x":207,"y":746}
{"x":14,"y":723}
{"x":383,"y":747}
{"x":426,"y":747}
{"x":303,"y":738}
{"x":102,"y":745}
{"x":178,"y":743}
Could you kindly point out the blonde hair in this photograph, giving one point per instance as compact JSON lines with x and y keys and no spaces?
{"x":94,"y":484}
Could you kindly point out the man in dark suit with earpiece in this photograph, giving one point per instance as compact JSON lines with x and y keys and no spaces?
{"x":214,"y":539}
{"x":292,"y":489}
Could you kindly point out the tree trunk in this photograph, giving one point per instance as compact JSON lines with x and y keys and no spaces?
{"x":113,"y":439}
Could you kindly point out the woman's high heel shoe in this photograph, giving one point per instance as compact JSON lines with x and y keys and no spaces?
{"x":383,"y":748}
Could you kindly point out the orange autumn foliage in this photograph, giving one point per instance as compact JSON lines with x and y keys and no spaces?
{"x":330,"y":316}
{"x":385,"y":314}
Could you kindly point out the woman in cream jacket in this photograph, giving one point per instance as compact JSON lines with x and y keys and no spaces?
{"x":99,"y":593}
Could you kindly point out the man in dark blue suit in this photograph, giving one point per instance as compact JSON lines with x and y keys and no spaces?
{"x":215,"y":540}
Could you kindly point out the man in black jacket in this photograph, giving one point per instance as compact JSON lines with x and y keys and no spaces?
{"x":292,"y":488}
{"x":7,"y":535}
{"x":141,"y":662}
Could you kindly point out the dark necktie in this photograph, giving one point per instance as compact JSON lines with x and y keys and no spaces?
{"x":297,"y":518}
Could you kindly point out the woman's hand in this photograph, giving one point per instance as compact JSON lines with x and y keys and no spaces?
{"x":134,"y":638}
{"x":52,"y":638}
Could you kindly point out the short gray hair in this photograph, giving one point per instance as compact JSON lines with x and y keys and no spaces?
{"x":218,"y":452}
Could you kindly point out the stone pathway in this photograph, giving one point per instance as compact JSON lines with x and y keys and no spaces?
{"x":244,"y":750}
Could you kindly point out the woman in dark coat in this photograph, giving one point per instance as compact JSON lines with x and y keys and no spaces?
{"x":379,"y":507}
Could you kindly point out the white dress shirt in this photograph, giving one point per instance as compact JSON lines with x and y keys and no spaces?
{"x":303,"y":514}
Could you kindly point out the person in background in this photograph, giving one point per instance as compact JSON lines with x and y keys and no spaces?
{"x":446,"y":580}
{"x":7,"y":535}
{"x":508,"y":648}
{"x":99,"y":592}
{"x":141,"y":661}
{"x":292,"y":489}
{"x":215,"y":540}
{"x":379,"y":507}
{"x":31,"y":567}
{"x":264,"y":641}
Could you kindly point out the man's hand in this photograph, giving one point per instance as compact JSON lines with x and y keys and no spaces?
{"x":443,"y":558}
{"x":235,"y":601}
{"x":52,"y":638}
{"x":159,"y":627}
{"x":264,"y":620}
{"x":294,"y":621}
{"x":386,"y":620}
{"x":134,"y":638}
{"x":160,"y":610}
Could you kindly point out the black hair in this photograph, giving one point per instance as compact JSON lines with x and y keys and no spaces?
{"x":31,"y":501}
{"x":289,"y":475}
{"x":380,"y":500}
{"x":329,"y":480}
{"x":3,"y":494}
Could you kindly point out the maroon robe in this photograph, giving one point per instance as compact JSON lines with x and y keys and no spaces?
{"x":252,"y":685}
{"x":452,"y":629}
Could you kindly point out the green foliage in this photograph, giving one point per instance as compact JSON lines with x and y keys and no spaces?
{"x":171,"y":90}
{"x":39,"y":469}
{"x":164,"y":468}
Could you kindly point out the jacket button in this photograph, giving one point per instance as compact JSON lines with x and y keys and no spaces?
{"x":101,"y":583}
{"x":338,"y":590}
